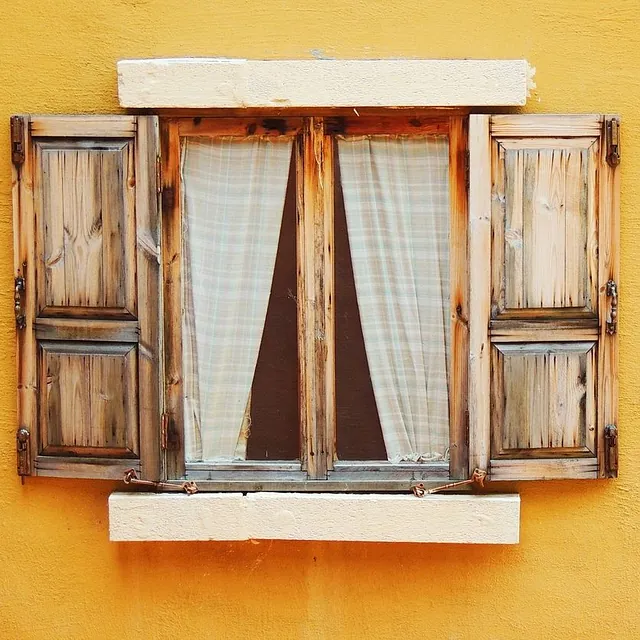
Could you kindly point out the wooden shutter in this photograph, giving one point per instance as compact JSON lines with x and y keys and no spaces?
{"x":544,"y":227}
{"x":86,"y":231}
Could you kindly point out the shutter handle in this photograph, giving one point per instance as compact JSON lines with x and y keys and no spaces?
{"x":612,"y":322}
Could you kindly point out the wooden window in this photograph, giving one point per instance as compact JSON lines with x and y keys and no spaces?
{"x":530,"y":309}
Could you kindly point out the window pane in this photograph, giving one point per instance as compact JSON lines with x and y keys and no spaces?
{"x":396,"y":195}
{"x":234,"y":197}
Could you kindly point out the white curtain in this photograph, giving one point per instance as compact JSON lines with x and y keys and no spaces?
{"x":396,"y":193}
{"x":234,"y":192}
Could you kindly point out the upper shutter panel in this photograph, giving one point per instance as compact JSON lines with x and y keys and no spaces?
{"x":551,"y":362}
{"x":87,"y":244}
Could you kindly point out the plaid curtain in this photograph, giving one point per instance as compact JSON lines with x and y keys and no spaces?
{"x":396,"y":193}
{"x":234,"y":193}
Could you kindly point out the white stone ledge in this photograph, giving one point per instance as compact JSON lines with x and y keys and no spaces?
{"x":483,"y":519}
{"x":237,"y":83}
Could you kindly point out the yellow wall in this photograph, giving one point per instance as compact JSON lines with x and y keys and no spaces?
{"x":576,"y":572}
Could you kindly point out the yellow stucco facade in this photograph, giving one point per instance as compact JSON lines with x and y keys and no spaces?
{"x":576,"y":572}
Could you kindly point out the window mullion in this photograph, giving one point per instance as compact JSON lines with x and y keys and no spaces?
{"x":316,"y":335}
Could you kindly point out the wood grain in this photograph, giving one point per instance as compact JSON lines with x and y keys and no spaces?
{"x":479,"y":291}
{"x":543,"y":397}
{"x":554,"y":367}
{"x":316,"y":332}
{"x":608,"y":269}
{"x":85,"y":183}
{"x":86,"y":226}
{"x":172,"y":294}
{"x":240,"y":127}
{"x":147,"y":230}
{"x":89,"y":398}
{"x":83,"y":126}
{"x":459,"y":297}
{"x":25,"y":265}
{"x":543,"y":213}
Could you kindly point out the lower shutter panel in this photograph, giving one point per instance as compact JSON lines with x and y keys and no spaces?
{"x":554,"y":239}
{"x":86,"y":230}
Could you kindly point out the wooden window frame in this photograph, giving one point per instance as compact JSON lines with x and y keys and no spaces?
{"x":314,"y":134}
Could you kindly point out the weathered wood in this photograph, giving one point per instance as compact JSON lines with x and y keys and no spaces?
{"x":79,"y":467}
{"x":543,"y":214}
{"x":546,"y":126}
{"x":316,"y":334}
{"x":241,"y":127}
{"x":554,"y":469}
{"x":25,"y":265}
{"x":88,"y":398}
{"x":77,"y":197}
{"x":608,"y":269}
{"x":172,"y":293}
{"x":85,"y":218}
{"x":479,"y":291}
{"x":458,"y":301}
{"x":385,"y":124}
{"x":543,"y":398}
{"x":80,"y":329}
{"x":147,"y":221}
{"x":554,"y":365}
{"x":83,"y":126}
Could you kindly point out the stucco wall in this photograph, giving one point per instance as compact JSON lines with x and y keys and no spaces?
{"x":576,"y":572}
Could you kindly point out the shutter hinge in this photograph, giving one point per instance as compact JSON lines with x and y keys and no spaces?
{"x":17,"y":140}
{"x":23,"y":450}
{"x":20,"y":286}
{"x":612,"y":133}
{"x":611,"y":451}
{"x":612,"y":322}
{"x":158,"y":174}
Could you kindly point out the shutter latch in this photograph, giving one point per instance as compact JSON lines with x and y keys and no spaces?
{"x":477,"y":478}
{"x":20,"y":286}
{"x":611,"y":451}
{"x":23,"y":449}
{"x":17,"y":140}
{"x":612,"y":322}
{"x":131,"y":477}
{"x":613,"y":141}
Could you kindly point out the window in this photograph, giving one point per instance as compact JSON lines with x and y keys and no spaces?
{"x":341,"y":302}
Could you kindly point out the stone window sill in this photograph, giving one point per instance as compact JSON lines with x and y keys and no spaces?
{"x":471,"y":519}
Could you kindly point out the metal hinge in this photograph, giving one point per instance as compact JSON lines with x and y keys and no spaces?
{"x":611,"y":451}
{"x":20,"y":287}
{"x":17,"y":140}
{"x":612,"y":322}
{"x":158,"y":174}
{"x":23,"y":450}
{"x":612,"y":133}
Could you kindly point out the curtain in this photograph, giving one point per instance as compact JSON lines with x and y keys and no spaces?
{"x":396,"y":193}
{"x":234,"y":192}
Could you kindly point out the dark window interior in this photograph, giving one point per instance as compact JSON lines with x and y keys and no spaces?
{"x":359,"y":434}
{"x":275,"y":430}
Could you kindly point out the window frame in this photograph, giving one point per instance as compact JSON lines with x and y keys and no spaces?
{"x":314,"y":133}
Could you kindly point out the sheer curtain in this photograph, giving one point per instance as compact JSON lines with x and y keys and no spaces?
{"x":396,"y":193}
{"x":234,"y":193}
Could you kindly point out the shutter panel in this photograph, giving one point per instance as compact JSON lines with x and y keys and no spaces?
{"x":86,"y":225}
{"x":544,"y":219}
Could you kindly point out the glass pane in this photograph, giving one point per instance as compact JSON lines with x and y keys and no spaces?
{"x":239,"y":319}
{"x":396,"y":205}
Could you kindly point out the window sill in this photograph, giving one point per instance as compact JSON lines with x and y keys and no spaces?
{"x":472,"y":519}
